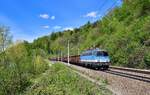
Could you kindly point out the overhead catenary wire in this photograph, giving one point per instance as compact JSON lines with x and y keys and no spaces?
{"x":103,"y":4}
{"x":108,"y":9}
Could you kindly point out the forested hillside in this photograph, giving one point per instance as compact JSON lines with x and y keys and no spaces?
{"x":124,"y":32}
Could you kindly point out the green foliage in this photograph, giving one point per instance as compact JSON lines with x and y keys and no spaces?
{"x":42,"y":43}
{"x":124,"y":32}
{"x":60,"y":80}
{"x":22,"y":65}
{"x":39,"y":64}
{"x":147,"y":59}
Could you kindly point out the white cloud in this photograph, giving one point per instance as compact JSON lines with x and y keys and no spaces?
{"x":45,"y":27}
{"x":62,"y":28}
{"x":57,"y":27}
{"x":52,"y":17}
{"x":44,"y":16}
{"x":68,"y":28}
{"x":93,"y":14}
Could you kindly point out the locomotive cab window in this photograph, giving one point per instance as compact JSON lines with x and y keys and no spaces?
{"x":102,"y":53}
{"x":105,"y":54}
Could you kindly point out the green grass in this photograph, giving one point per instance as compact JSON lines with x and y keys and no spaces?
{"x":61,"y":80}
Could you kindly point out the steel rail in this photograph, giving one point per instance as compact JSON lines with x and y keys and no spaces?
{"x":131,"y":69}
{"x":132,"y":76}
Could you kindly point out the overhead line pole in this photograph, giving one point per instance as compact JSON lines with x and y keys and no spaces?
{"x":61,"y":56}
{"x":68,"y":52}
{"x":78,"y":52}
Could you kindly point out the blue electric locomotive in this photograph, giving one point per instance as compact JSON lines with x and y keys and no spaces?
{"x":95,"y":58}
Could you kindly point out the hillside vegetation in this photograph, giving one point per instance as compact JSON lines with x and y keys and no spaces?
{"x":124,"y":33}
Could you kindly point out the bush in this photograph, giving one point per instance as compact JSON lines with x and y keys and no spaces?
{"x":147,"y":59}
{"x":21,"y":67}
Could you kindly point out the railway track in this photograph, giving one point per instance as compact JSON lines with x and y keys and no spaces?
{"x":131,"y":69}
{"x":120,"y":81}
{"x":137,"y":74}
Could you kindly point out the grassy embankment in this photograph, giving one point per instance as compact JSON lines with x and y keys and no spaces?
{"x":61,"y":80}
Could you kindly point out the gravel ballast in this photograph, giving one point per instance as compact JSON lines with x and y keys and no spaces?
{"x":118,"y":84}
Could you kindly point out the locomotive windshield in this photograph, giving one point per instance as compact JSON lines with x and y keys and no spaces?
{"x":102,"y":53}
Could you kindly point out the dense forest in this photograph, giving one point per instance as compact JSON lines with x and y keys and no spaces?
{"x":124,"y":32}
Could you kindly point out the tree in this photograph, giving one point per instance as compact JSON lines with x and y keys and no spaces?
{"x":5,"y":41}
{"x":5,"y":38}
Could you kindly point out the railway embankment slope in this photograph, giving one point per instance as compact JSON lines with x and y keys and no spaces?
{"x":61,"y":80}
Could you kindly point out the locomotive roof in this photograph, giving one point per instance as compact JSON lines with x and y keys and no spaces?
{"x":92,"y":50}
{"x":96,"y":49}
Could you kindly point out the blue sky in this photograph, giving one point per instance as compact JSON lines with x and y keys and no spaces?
{"x":30,"y":19}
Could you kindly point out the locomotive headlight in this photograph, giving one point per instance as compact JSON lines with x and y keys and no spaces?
{"x":96,"y":60}
{"x":108,"y":60}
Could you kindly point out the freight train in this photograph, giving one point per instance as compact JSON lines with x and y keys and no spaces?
{"x":93,"y":58}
